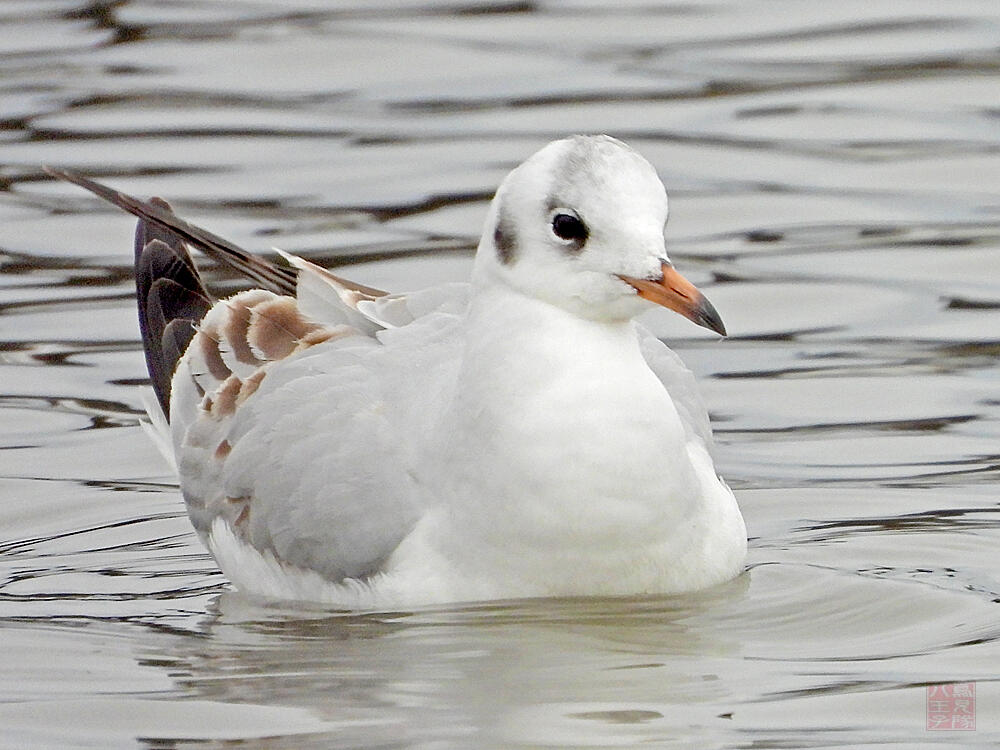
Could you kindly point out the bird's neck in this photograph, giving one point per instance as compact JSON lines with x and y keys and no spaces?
{"x":520,"y":343}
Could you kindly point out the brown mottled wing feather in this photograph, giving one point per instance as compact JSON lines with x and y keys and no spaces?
{"x":171,"y":297}
{"x":170,"y":294}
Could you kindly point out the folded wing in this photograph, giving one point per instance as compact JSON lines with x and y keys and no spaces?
{"x":284,"y":422}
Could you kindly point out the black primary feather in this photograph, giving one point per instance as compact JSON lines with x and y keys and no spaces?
{"x":171,"y":300}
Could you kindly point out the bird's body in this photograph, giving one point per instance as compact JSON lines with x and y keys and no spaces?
{"x":519,"y":436}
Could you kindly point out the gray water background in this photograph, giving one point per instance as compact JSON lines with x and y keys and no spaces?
{"x":834,"y":172}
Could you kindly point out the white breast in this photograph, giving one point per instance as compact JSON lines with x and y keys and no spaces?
{"x":562,"y":464}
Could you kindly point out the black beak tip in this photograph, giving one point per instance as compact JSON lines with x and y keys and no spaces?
{"x":709,"y":318}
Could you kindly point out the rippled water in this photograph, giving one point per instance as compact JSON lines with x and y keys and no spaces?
{"x":834,"y":170}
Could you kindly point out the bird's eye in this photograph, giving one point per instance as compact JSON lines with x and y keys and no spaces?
{"x":569,"y":227}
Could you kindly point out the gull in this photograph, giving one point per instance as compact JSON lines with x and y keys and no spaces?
{"x":517,"y":436}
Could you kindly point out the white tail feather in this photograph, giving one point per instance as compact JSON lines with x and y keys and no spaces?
{"x":157,"y":428}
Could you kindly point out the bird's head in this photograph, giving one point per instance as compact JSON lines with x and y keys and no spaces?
{"x":580,"y":225}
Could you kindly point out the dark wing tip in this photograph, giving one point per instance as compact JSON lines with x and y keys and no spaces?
{"x":171,"y":300}
{"x":169,"y":292}
{"x":266,"y":274}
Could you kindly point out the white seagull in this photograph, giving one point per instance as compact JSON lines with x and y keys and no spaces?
{"x":518,"y":436}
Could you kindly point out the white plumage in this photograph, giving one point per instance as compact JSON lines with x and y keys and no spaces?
{"x":519,"y":436}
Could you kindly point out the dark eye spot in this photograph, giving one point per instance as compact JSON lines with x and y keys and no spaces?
{"x":504,"y":239}
{"x":569,"y":227}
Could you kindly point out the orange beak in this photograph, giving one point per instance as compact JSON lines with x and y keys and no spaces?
{"x":676,"y":293}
